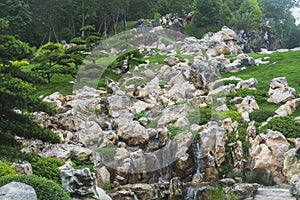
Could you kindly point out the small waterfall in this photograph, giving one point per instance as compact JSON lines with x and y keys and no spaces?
{"x":197,"y":156}
{"x":109,"y":126}
{"x":191,"y":193}
{"x":157,"y":173}
{"x":135,"y":197}
{"x":203,"y":80}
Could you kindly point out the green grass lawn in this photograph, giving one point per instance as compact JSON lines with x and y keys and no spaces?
{"x":59,"y":83}
{"x":281,"y":64}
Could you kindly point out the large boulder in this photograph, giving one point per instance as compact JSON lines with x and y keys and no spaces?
{"x":17,"y":191}
{"x":248,"y":104}
{"x":117,"y":103}
{"x":133,"y":133}
{"x":172,"y":113}
{"x":23,"y":168}
{"x":280,"y":92}
{"x":288,"y":108}
{"x":250,"y":84}
{"x":80,"y":183}
{"x":267,"y":155}
{"x":102,"y":176}
{"x":212,"y":140}
{"x":222,"y":42}
{"x":291,"y":164}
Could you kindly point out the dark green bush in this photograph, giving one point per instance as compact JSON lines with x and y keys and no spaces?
{"x":14,"y":154}
{"x":287,"y":125}
{"x":44,"y":188}
{"x":48,"y":168}
{"x":261,"y":115}
{"x":260,"y":96}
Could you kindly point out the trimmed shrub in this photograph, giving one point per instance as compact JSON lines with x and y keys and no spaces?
{"x":44,"y":188}
{"x":47,"y":168}
{"x":261,"y":115}
{"x":287,"y":125}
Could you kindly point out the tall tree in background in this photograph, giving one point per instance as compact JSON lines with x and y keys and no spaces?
{"x":18,"y":15}
{"x":279,"y":15}
{"x":252,"y":7}
{"x":207,"y":12}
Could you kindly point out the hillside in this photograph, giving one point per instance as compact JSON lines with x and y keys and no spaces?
{"x":178,"y":112}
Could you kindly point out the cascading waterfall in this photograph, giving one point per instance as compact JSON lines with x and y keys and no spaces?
{"x":157,"y":167}
{"x":135,"y":197}
{"x":197,"y":156}
{"x":204,"y":82}
{"x":191,"y":193}
{"x":109,"y":126}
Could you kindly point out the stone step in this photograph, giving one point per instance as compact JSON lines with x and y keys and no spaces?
{"x":271,"y":193}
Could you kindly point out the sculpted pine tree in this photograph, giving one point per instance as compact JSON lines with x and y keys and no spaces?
{"x":52,"y":60}
{"x":16,"y":104}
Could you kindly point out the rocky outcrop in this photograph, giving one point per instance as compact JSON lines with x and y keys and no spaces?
{"x":81,"y":184}
{"x":16,"y":190}
{"x":267,"y":155}
{"x":222,"y":42}
{"x":23,"y":168}
{"x":295,"y":186}
{"x":291,"y":164}
{"x":288,"y":108}
{"x":244,"y":190}
{"x":247,"y":106}
{"x":133,"y":133}
{"x":280,"y":92}
{"x":249,"y":84}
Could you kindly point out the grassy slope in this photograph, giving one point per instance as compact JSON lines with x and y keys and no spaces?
{"x":281,"y":64}
{"x":58,"y":83}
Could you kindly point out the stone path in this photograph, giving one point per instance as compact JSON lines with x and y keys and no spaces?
{"x":271,"y":193}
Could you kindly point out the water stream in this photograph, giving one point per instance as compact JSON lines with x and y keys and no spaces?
{"x":197,"y":156}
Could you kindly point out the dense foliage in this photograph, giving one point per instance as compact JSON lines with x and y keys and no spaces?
{"x":16,"y":104}
{"x":288,"y":126}
{"x":45,"y":189}
{"x":54,"y":20}
{"x":47,"y":168}
{"x":6,"y":169}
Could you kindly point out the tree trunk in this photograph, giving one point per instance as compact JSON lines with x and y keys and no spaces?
{"x":83,"y":18}
{"x":115,"y":20}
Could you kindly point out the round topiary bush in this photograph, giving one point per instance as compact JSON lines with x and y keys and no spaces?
{"x":44,"y":188}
